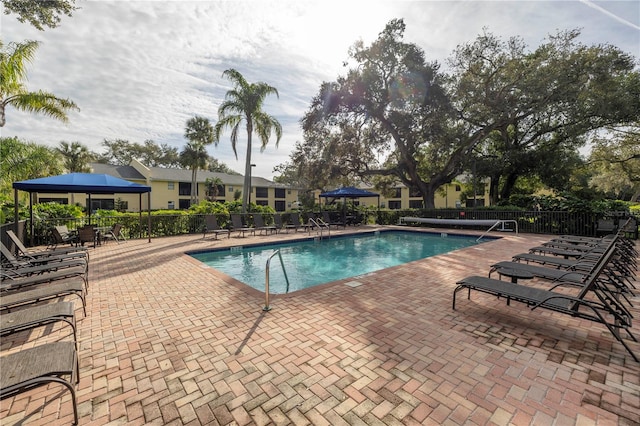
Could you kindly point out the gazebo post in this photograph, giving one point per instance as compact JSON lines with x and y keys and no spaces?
{"x":31,"y":227}
{"x":148,"y":212}
{"x":15,"y":211}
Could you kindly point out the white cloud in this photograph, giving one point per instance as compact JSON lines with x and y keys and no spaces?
{"x":139,"y":69}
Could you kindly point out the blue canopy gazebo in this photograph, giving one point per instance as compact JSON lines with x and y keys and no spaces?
{"x":88,"y":183}
{"x":349,"y":192}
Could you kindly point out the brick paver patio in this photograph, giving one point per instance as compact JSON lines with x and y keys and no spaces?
{"x":169,"y":341}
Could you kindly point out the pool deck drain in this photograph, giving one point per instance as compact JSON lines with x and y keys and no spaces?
{"x":167,"y":342}
{"x":353,"y":284}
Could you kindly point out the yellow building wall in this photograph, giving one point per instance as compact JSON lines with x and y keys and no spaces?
{"x":447,"y":197}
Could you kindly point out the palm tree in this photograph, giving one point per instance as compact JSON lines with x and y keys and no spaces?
{"x":212,"y":185}
{"x":21,"y":160}
{"x":76,"y":157}
{"x":199,"y":132}
{"x":13,"y":73}
{"x":244,"y":103}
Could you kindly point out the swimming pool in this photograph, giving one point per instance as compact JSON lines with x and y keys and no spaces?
{"x":313,"y":261}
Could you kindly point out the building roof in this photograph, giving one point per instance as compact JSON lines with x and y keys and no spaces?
{"x":122,"y":172}
{"x":179,"y":175}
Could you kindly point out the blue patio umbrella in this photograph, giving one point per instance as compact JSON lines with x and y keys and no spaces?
{"x":349,"y":192}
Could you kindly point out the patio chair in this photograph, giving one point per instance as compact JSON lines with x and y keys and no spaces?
{"x":211,"y":226}
{"x":38,"y":366}
{"x":115,"y":233}
{"x":258,"y":221}
{"x":236,"y":222}
{"x":87,"y":234}
{"x":39,"y":316}
{"x":13,"y":299}
{"x":61,"y":235}
{"x":597,"y":308}
{"x":70,"y":252}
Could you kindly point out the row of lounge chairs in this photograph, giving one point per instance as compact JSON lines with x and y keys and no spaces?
{"x":586,"y":278}
{"x":31,"y":288}
{"x":259,"y":224}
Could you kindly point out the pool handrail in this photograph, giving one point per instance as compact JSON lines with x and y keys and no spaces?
{"x":266,"y":281}
{"x":319,"y":223}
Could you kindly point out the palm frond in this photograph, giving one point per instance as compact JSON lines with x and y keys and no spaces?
{"x":42,"y":103}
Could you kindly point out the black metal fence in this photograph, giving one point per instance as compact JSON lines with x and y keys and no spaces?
{"x":535,"y":222}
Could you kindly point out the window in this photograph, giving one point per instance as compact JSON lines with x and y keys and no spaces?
{"x":397,"y":194}
{"x":280,"y":193}
{"x":184,"y":188}
{"x":395,"y":205}
{"x":262,"y":192}
{"x":415,"y":204}
{"x":171,"y":185}
{"x":262,"y":202}
{"x":54,"y":200}
{"x":184,"y":204}
{"x":106,"y":204}
{"x":230,"y":189}
{"x":171,"y":205}
{"x":457,"y":188}
{"x":280,"y":206}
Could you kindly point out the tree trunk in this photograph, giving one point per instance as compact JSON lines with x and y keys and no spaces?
{"x":194,"y":186}
{"x":493,"y":189}
{"x":507,"y":188}
{"x":246,"y":188}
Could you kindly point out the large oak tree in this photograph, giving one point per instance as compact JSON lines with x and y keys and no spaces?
{"x":394,"y":114}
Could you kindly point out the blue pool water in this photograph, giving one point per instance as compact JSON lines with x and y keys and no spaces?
{"x":311,"y":262}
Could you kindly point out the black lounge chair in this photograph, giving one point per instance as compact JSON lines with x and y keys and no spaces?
{"x":326,"y":217}
{"x":597,"y":308}
{"x":12,"y":299}
{"x":211,"y":226}
{"x":38,"y":316}
{"x":71,"y":252}
{"x":258,"y":221}
{"x":279,"y":224}
{"x":38,"y":366}
{"x":294,"y":222}
{"x":61,"y":235}
{"x":606,"y":226}
{"x":577,"y":274}
{"x":236,"y":221}
{"x":13,"y":282}
{"x":53,"y":262}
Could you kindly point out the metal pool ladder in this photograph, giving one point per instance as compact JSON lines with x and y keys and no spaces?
{"x":320,"y":224}
{"x":266,"y":281}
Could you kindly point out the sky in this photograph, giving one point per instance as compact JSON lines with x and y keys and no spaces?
{"x":139,"y":70}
